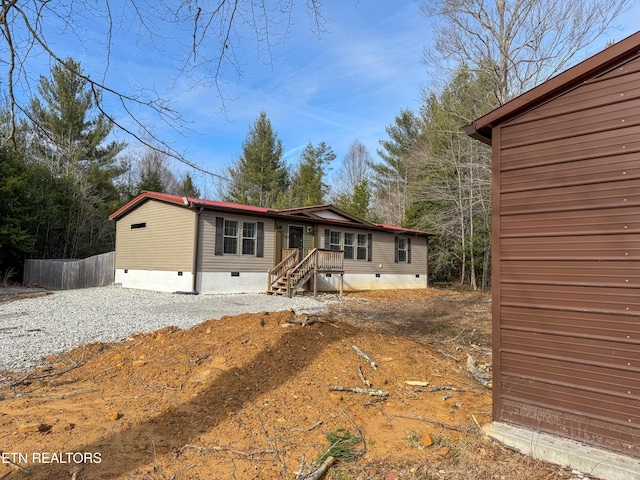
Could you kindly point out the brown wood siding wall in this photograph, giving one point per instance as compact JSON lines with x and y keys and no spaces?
{"x":383,"y":253}
{"x":208,"y":261}
{"x":165,"y":243}
{"x":567,"y":264}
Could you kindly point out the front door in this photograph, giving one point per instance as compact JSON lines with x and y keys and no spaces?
{"x":296,"y":239}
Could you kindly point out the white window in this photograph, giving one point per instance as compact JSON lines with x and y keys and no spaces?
{"x":231,"y":237}
{"x":363,"y":246}
{"x":403,"y":250}
{"x":249,"y":236}
{"x":348,"y":246}
{"x":334,"y":241}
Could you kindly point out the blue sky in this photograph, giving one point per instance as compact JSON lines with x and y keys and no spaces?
{"x":348,"y":84}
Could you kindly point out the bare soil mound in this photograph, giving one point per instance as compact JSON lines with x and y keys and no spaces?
{"x":254,"y":397}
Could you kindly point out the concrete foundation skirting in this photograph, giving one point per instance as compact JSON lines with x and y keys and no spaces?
{"x":158,"y":280}
{"x":228,"y":282}
{"x":587,"y":459}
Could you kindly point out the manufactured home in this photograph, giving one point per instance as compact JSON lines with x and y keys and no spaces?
{"x":171,"y":243}
{"x":566,"y":253}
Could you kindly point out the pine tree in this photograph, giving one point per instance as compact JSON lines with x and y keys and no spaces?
{"x":393,"y":176}
{"x":188,"y":188}
{"x":307,"y":185}
{"x":260,"y":175}
{"x":73,"y":145}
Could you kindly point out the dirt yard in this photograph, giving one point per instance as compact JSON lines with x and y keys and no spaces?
{"x":254,"y":397}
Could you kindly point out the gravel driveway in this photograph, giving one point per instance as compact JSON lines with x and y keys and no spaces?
{"x":33,"y":328}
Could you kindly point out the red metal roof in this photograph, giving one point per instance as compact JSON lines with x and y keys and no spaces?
{"x":191,"y":202}
{"x":178,"y":200}
{"x":400,"y":229}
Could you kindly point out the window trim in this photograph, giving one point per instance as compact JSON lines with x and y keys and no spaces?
{"x":225,"y":237}
{"x":331,"y":242}
{"x":258,"y":240}
{"x":369,"y":244}
{"x":407,"y":249}
{"x":253,"y":239}
{"x":350,"y":245}
{"x":366,"y":247}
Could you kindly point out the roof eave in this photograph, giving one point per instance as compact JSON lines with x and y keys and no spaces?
{"x":484,"y":135}
{"x":141,"y":198}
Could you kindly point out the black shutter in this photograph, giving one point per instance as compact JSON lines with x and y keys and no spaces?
{"x":408,"y":250}
{"x":260,"y":240}
{"x":219,"y":235}
{"x":396,"y":242}
{"x":327,"y":238}
{"x":370,"y":249}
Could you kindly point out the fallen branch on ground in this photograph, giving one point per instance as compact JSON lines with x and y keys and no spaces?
{"x":58,"y":395}
{"x":240,"y":453}
{"x":477,"y":373}
{"x":30,"y":377}
{"x":362,"y":377}
{"x":360,"y":434}
{"x":373,"y":401}
{"x":445,"y":354}
{"x":307,"y":321}
{"x":318,"y":423}
{"x":476,"y":422}
{"x":14,"y":465}
{"x":448,"y":387}
{"x":457,"y":428}
{"x":416,"y":383}
{"x":271,"y":444}
{"x":318,"y":472}
{"x":376,"y":392}
{"x":366,"y":357}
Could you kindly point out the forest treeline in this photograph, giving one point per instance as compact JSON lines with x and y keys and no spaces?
{"x":62,"y":174}
{"x":63,"y":177}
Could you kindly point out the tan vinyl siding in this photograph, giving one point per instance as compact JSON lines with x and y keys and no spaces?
{"x":567,"y":348}
{"x":165,"y":243}
{"x":383,"y":254}
{"x":208,"y":261}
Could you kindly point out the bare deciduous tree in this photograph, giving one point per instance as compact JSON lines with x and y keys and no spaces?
{"x":355,"y":167}
{"x":207,"y":35}
{"x":351,"y":190}
{"x":518,"y":43}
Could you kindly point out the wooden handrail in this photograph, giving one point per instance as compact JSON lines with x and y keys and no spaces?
{"x":330,"y":260}
{"x":289,"y":261}
{"x":304,"y":267}
{"x":316,"y":261}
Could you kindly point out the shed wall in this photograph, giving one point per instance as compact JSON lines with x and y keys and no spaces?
{"x":567,"y":264}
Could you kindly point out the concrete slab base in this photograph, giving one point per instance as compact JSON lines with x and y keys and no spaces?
{"x":567,"y":453}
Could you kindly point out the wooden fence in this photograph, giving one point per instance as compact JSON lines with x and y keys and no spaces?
{"x":95,"y":271}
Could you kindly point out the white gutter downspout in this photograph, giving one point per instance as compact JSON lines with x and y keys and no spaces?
{"x":194,"y":266}
{"x":427,"y":267}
